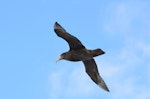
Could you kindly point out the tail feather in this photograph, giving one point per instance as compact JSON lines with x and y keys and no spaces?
{"x":97,"y":52}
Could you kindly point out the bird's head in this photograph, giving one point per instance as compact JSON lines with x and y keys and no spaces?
{"x":62,"y":56}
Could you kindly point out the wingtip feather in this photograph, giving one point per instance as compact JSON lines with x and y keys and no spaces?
{"x":57,"y":26}
{"x":103,"y":86}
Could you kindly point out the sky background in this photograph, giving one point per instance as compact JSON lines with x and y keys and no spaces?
{"x":29,"y":48}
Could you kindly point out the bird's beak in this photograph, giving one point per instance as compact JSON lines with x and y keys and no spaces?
{"x":60,"y":57}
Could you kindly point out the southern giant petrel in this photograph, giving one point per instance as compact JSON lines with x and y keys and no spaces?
{"x":78,"y":52}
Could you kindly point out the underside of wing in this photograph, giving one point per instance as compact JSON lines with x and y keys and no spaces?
{"x":92,"y":71}
{"x":73,"y":42}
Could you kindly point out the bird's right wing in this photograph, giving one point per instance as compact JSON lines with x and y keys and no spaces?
{"x":73,"y":42}
{"x":92,"y":71}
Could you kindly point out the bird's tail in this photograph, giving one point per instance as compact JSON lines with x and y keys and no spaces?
{"x":97,"y":52}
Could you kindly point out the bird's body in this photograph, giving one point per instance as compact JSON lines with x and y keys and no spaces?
{"x":79,"y":55}
{"x":78,"y":52}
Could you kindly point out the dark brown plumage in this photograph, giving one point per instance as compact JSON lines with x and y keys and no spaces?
{"x":78,"y":52}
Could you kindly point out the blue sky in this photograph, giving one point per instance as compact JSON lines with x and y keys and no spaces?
{"x":29,"y":48}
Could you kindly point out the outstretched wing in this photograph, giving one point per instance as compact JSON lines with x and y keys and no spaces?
{"x":73,"y":42}
{"x":92,"y":71}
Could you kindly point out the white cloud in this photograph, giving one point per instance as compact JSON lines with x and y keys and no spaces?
{"x":55,"y":84}
{"x":126,"y":73}
{"x":128,"y":70}
{"x":127,"y":18}
{"x":144,"y":47}
{"x":69,"y":84}
{"x":122,"y":74}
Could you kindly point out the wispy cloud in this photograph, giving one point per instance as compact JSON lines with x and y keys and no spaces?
{"x":127,"y":18}
{"x":123,"y":73}
{"x":69,"y":84}
{"x":126,"y":73}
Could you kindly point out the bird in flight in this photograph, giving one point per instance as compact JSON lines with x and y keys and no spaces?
{"x":78,"y":52}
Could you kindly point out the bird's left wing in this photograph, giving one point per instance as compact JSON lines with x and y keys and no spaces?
{"x":73,"y":42}
{"x":92,"y":71}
